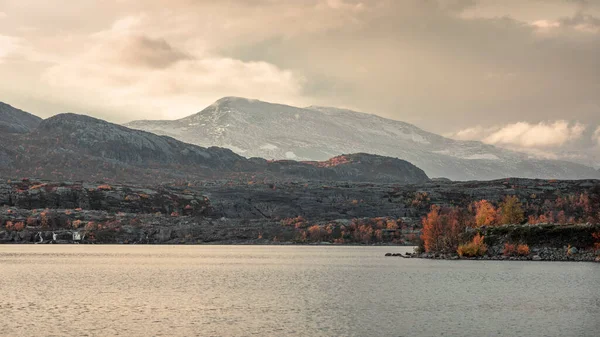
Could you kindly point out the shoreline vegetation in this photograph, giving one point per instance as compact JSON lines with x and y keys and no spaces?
{"x":510,"y":219}
{"x":539,"y":242}
{"x":484,"y":231}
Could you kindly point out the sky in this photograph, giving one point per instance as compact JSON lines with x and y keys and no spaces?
{"x":520,"y":74}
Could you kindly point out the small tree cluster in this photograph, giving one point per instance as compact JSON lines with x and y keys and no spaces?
{"x":442,"y":229}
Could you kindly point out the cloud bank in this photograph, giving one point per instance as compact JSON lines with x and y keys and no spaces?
{"x":444,"y":65}
{"x":560,"y":139}
{"x":526,"y":135}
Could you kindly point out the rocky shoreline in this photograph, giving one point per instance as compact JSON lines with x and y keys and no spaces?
{"x":542,"y":242}
{"x":544,"y":254}
{"x":222,"y":212}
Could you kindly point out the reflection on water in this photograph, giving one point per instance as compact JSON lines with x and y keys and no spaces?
{"x":84,"y":290}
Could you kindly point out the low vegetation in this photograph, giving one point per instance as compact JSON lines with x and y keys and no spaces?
{"x":474,"y":248}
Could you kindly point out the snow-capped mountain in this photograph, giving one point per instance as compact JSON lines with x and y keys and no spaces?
{"x":254,"y":128}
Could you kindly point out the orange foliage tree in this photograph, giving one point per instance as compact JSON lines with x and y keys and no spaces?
{"x":485,"y":213}
{"x":441,"y":229}
{"x":511,"y":211}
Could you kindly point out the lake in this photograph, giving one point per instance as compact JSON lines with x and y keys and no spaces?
{"x":88,"y":290}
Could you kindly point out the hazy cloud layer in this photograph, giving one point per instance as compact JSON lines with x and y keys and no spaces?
{"x":445,"y":65}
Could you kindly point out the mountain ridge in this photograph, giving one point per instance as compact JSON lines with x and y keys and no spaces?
{"x":254,"y":128}
{"x":13,"y":120}
{"x":79,"y":147}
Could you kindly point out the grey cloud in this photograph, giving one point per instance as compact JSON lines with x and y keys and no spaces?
{"x":149,"y":52}
{"x":581,"y":19}
{"x":440,"y":70}
{"x":422,"y":61}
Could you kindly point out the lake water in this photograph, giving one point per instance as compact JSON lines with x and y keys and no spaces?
{"x":81,"y":290}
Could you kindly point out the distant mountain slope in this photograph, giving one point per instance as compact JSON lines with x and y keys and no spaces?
{"x":255,"y":128}
{"x":13,"y":120}
{"x":77,"y":147}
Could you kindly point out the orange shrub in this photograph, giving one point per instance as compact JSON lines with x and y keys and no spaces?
{"x":19,"y":226}
{"x":90,"y":226}
{"x":105,"y":187}
{"x":509,"y":249}
{"x":391,"y":224}
{"x":31,"y":221}
{"x":523,"y":250}
{"x":474,"y":248}
{"x":315,"y":233}
{"x":533,"y":220}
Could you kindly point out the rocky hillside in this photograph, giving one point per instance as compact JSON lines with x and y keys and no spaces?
{"x":13,"y":120}
{"x":226,"y":212}
{"x":77,"y":147}
{"x":254,"y":128}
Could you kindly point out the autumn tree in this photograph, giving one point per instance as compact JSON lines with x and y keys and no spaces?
{"x":432,"y":230}
{"x":511,"y":211}
{"x":441,"y":229}
{"x":485,"y":213}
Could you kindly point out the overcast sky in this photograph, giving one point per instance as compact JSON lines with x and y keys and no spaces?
{"x":521,"y":74}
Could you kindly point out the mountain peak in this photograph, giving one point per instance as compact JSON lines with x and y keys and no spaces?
{"x":228,"y":99}
{"x":13,"y":120}
{"x":73,"y":121}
